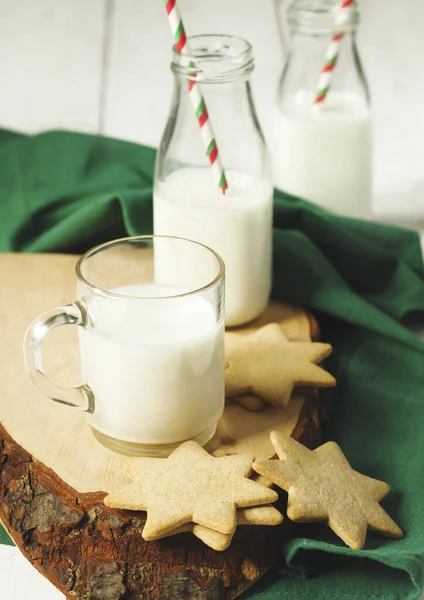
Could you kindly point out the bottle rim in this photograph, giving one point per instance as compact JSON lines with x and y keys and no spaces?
{"x":304,"y":17}
{"x":213,"y":58}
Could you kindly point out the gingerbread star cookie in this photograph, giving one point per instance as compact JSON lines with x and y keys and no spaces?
{"x":322,"y":486}
{"x":252,"y":402}
{"x":267,"y":364}
{"x":189,"y":486}
{"x":257,"y":515}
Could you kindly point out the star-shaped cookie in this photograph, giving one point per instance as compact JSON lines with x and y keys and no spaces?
{"x":257,"y":515}
{"x":267,"y":364}
{"x":189,"y":486}
{"x":322,"y":486}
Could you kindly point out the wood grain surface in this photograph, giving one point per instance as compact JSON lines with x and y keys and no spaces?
{"x":54,"y":475}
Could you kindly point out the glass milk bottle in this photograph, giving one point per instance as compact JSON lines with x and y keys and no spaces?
{"x":323,"y":141}
{"x":188,"y":202}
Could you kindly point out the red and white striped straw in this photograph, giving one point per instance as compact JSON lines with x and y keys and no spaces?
{"x":197,"y":99}
{"x":333,"y":51}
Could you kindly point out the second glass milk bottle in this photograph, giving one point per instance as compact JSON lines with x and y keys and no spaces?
{"x":187,"y":199}
{"x":322,"y":146}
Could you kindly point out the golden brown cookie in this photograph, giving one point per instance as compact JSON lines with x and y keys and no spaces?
{"x":189,"y":486}
{"x":219,"y":453}
{"x":294,"y":322}
{"x":254,"y":477}
{"x":268,"y":365}
{"x":252,"y":402}
{"x":256,"y":515}
{"x":262,"y":480}
{"x":259,"y":515}
{"x":214,"y":539}
{"x":322,"y":486}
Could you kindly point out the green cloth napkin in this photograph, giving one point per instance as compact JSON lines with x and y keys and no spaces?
{"x":65,"y":192}
{"x":4,"y":538}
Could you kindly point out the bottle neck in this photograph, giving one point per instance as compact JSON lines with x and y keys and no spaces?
{"x":323,"y":17}
{"x":212,"y":84}
{"x":305,"y":46}
{"x":306,"y":62}
{"x":230,"y":108}
{"x":214,"y":76}
{"x":213,"y":60}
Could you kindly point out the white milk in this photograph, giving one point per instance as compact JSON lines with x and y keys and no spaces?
{"x":156,"y":367}
{"x":238,"y":226}
{"x":325,"y":154}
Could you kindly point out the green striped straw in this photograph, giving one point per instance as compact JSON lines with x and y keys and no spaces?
{"x":197,"y":99}
{"x":332,"y":54}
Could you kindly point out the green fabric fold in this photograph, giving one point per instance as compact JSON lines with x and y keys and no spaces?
{"x":65,"y":192}
{"x":4,"y":538}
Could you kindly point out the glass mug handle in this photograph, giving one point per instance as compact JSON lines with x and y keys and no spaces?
{"x":80,"y":397}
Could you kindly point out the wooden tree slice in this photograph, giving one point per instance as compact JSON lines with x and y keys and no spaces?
{"x":54,"y":475}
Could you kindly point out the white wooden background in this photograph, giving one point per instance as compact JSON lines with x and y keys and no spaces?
{"x":103,"y":66}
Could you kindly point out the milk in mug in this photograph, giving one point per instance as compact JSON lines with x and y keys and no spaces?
{"x":237,"y":225}
{"x":157,"y":375}
{"x":324,"y":153}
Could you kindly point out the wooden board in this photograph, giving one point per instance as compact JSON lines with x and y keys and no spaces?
{"x":54,"y":475}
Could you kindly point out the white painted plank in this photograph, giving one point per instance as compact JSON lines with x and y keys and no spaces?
{"x":139,"y":83}
{"x":19,"y":580}
{"x":392,"y":47}
{"x":51,"y":63}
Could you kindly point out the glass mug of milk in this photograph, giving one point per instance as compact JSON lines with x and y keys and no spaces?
{"x":323,"y":152}
{"x":151,"y":317}
{"x":187,"y":199}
